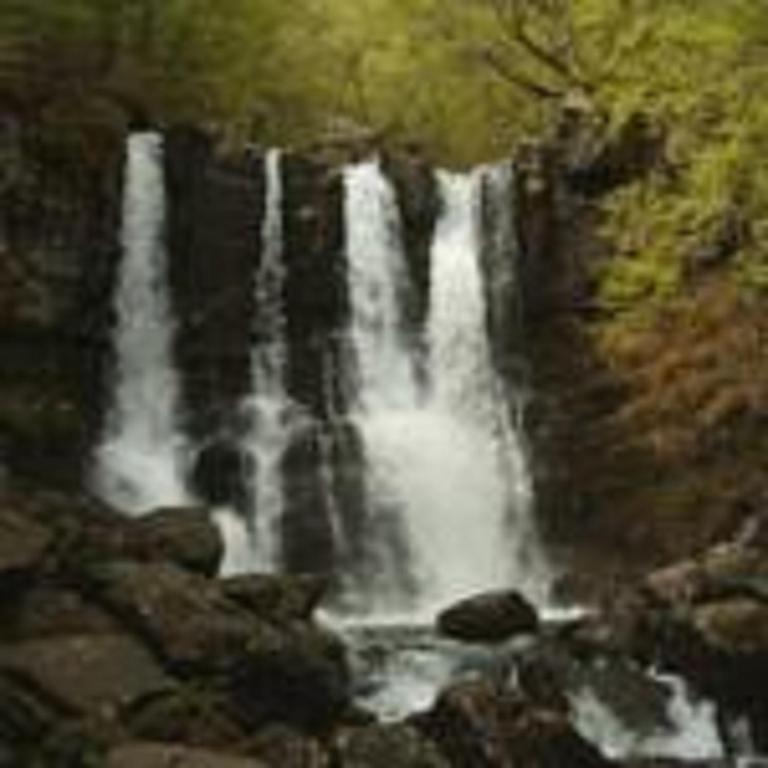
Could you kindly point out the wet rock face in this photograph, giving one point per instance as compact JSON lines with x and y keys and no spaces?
{"x":215,"y":208}
{"x":489,"y":617}
{"x":58,"y":249}
{"x":419,"y":201}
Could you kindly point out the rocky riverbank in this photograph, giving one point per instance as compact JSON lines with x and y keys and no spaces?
{"x":121,"y":648}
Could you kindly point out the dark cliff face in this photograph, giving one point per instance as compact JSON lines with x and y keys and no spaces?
{"x":58,"y":249}
{"x":215,"y":208}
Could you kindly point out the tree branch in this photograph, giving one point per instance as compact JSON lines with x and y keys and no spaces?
{"x":504,"y":71}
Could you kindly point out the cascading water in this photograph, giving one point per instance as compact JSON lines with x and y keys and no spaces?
{"x":445,"y":466}
{"x":480,"y":523}
{"x":387,"y":398}
{"x":268,"y":406}
{"x":139,"y":464}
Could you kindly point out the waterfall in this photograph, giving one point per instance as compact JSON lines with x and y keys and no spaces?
{"x":387,"y":394}
{"x":447,"y":474}
{"x":139,"y":464}
{"x":268,"y":405}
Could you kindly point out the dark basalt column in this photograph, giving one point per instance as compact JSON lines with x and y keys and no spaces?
{"x":315,"y":289}
{"x":419,"y":201}
{"x":503,"y":276}
{"x":59,"y":215}
{"x":307,"y":528}
{"x":215,"y":209}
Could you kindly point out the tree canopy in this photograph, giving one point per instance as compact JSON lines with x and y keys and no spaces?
{"x":464,"y":78}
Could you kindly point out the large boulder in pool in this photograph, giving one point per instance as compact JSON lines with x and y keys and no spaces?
{"x":490,"y":617}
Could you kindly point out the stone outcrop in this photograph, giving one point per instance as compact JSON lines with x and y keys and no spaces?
{"x":705,"y":619}
{"x":133,"y":652}
{"x":58,"y":243}
{"x":489,"y":617}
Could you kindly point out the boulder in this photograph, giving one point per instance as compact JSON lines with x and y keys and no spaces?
{"x":725,"y":570}
{"x":286,"y":747}
{"x":186,"y":618}
{"x":737,"y":627}
{"x":191,"y":715}
{"x":279,"y":598}
{"x":481,"y":726}
{"x":383,"y":746}
{"x":23,"y":543}
{"x":299,"y":676}
{"x":489,"y":617}
{"x":288,"y":671}
{"x":148,"y":755}
{"x":186,"y":536}
{"x":49,"y":611}
{"x":90,"y":676}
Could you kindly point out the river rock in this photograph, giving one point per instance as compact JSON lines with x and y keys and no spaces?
{"x":481,"y":726}
{"x":384,"y":746}
{"x":185,"y":617}
{"x":50,"y":611}
{"x":726,"y":570}
{"x":92,"y":676}
{"x":23,"y":543}
{"x":186,"y":536}
{"x":489,"y":617}
{"x":191,"y":714}
{"x":738,"y":627}
{"x":148,"y":755}
{"x":287,"y":747}
{"x":281,"y":598}
{"x":298,"y":675}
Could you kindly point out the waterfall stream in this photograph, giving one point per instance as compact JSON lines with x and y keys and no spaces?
{"x":139,"y":463}
{"x":268,"y":406}
{"x":445,"y":464}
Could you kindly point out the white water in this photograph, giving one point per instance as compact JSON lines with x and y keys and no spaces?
{"x":444,"y":461}
{"x":486,"y":497}
{"x":388,"y":401}
{"x":690,"y":734}
{"x":139,"y":464}
{"x":267,"y":407}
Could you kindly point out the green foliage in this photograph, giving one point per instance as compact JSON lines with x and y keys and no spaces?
{"x":464,"y":78}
